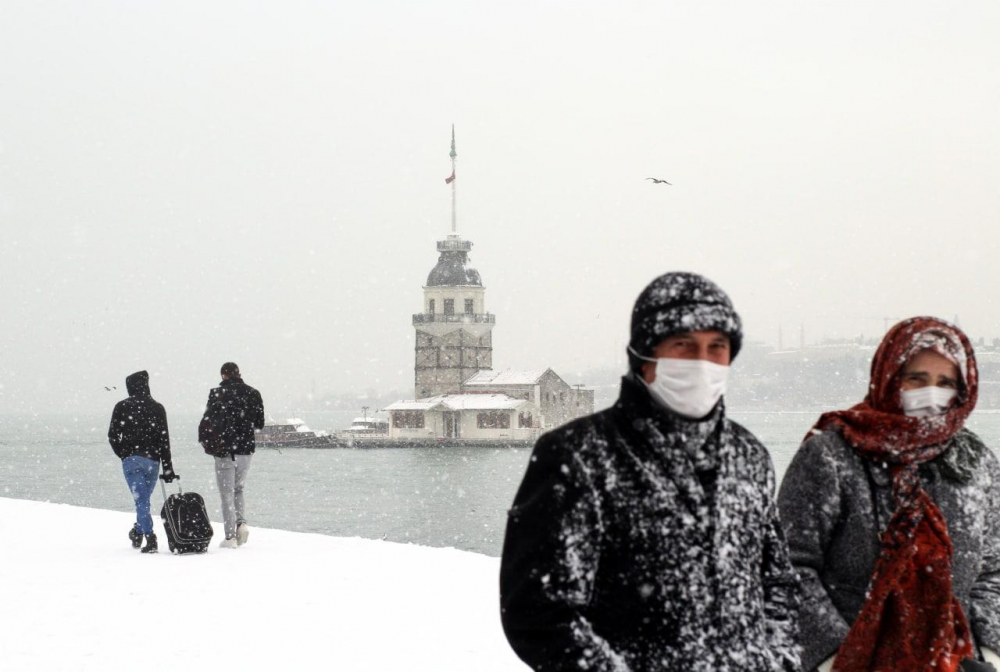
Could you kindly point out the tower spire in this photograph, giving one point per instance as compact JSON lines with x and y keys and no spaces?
{"x":453,"y":154}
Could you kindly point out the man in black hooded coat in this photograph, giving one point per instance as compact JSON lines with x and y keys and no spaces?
{"x":234,"y":410}
{"x":139,"y":436}
{"x":641,"y":539}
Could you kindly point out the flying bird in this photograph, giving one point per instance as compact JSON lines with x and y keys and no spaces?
{"x":656,"y":181}
{"x":110,"y":388}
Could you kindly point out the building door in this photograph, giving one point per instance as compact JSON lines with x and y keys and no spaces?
{"x":452,"y":425}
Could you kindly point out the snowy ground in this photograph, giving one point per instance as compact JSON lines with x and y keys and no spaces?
{"x":74,"y":595}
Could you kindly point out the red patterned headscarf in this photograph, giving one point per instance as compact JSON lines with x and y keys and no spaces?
{"x":910,"y":619}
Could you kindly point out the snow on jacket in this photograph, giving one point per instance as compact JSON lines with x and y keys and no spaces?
{"x":834,"y":506}
{"x":242,"y":410}
{"x":139,"y":424}
{"x":641,"y":541}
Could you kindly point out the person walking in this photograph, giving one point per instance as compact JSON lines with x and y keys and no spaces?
{"x":233,"y":411}
{"x":892,"y":514}
{"x":646,"y":537}
{"x":139,"y":436}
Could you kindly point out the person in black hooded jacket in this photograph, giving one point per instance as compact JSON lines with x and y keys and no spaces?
{"x":234,"y":410}
{"x":646,"y":537}
{"x":139,"y":436}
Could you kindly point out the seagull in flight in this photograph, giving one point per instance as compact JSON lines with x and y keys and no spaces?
{"x":110,"y":388}
{"x":656,"y":181}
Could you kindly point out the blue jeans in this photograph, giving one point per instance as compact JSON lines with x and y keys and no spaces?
{"x":140,"y":474}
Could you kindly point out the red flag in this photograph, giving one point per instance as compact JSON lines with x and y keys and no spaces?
{"x":449,"y":180}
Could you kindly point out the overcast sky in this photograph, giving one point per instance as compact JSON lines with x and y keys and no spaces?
{"x":187,"y":183}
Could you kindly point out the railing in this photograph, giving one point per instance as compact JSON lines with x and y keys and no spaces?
{"x":463,"y":318}
{"x":454,"y":245}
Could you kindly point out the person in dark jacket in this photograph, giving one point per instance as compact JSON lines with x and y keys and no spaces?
{"x":892,"y":515}
{"x":138,"y":434}
{"x":236,"y":409}
{"x":646,"y":537}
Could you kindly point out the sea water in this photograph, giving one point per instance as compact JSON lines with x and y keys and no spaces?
{"x":430,"y":496}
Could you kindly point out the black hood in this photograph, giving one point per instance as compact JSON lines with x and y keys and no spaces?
{"x":138,"y":384}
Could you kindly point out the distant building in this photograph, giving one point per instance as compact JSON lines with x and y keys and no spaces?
{"x":464,"y":416}
{"x":456,"y":392}
{"x":557,"y":401}
{"x":454,"y":338}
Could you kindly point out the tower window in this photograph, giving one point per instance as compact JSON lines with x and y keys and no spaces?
{"x":469,"y":307}
{"x":449,"y":306}
{"x":430,"y":306}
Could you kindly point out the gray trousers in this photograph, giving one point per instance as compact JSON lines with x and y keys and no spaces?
{"x":231,"y":474}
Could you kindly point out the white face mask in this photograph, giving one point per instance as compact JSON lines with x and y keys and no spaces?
{"x":926,"y":402}
{"x":688,"y":387}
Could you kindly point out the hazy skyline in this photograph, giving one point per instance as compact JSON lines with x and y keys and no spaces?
{"x":183,"y":184}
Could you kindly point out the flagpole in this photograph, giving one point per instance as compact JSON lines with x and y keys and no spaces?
{"x":454,"y":213}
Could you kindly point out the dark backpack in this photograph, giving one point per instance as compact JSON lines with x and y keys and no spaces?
{"x":212,"y":428}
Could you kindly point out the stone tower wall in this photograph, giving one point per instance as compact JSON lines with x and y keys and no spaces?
{"x":444,"y":362}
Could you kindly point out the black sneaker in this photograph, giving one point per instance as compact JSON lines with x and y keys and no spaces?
{"x":150,"y":546}
{"x":135,"y":536}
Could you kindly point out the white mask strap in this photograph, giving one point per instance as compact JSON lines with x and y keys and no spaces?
{"x":646,"y":359}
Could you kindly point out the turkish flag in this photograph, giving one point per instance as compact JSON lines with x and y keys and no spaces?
{"x":449,"y":180}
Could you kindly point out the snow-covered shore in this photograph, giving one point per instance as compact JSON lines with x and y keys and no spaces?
{"x":76,"y":596}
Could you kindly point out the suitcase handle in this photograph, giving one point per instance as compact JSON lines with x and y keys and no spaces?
{"x":163,"y":487}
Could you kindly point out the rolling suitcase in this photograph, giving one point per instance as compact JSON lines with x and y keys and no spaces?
{"x":185,"y":521}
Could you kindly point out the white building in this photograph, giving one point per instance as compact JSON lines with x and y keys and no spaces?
{"x":457,"y":394}
{"x":464,"y":416}
{"x":557,"y":401}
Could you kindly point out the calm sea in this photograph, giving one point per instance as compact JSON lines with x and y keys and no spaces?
{"x":429,"y":496}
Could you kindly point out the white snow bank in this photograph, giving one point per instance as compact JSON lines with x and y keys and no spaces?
{"x":76,"y":596}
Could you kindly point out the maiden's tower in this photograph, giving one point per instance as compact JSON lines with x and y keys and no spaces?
{"x":457,"y":394}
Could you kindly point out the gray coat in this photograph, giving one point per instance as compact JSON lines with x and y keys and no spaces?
{"x":834,"y":506}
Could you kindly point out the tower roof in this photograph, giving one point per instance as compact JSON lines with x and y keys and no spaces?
{"x":453,"y":269}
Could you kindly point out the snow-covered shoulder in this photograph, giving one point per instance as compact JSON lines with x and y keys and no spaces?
{"x":758,"y":462}
{"x":576,"y":441}
{"x":78,"y":597}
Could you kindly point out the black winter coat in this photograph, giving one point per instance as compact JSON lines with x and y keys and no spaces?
{"x":835,"y":505}
{"x":641,"y":541}
{"x":139,"y":424}
{"x":241,"y":409}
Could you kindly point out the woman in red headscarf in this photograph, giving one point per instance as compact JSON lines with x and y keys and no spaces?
{"x":892,"y":515}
